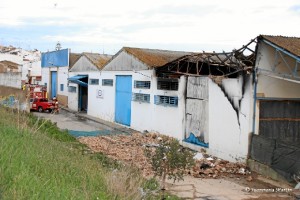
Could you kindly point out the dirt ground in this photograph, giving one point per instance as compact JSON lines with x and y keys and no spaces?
{"x":210,"y":178}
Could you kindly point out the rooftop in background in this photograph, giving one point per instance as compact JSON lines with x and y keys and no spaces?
{"x":290,"y":44}
{"x":155,"y":57}
{"x":99,"y":60}
{"x":6,"y":65}
{"x":73,"y":57}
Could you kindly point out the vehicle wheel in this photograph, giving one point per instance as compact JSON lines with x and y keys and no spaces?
{"x":50,"y":111}
{"x":40,"y":109}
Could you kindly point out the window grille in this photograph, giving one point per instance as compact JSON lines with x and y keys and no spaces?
{"x":166,"y":100}
{"x":107,"y":82}
{"x":94,"y":81}
{"x":140,"y":97}
{"x":142,"y":84}
{"x":72,"y":89}
{"x":167,"y":84}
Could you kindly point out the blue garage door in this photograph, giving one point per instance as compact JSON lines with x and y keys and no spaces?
{"x":123,"y":100}
{"x":53,"y":84}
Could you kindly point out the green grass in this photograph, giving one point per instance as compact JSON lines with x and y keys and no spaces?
{"x":39,"y":161}
{"x":35,"y":166}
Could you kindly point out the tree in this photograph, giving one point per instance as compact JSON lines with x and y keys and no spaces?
{"x":169,"y":159}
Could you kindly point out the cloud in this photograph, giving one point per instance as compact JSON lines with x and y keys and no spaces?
{"x":170,"y":23}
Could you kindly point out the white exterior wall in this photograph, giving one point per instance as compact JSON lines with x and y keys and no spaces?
{"x":46,"y":77}
{"x":84,"y":67}
{"x":13,"y":58}
{"x":62,"y":78}
{"x":228,"y":136}
{"x":11,"y":79}
{"x":103,"y":108}
{"x":144,"y":116}
{"x":73,"y":97}
{"x":274,"y":87}
{"x":166,"y":120}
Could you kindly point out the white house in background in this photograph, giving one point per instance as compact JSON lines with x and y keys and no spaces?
{"x":30,"y":62}
{"x":55,"y":73}
{"x":79,"y":81}
{"x":10,"y":74}
{"x":130,"y":93}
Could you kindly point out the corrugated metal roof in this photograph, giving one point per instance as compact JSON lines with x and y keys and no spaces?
{"x":155,"y":57}
{"x":291,"y":44}
{"x":99,"y":60}
{"x":73,"y":57}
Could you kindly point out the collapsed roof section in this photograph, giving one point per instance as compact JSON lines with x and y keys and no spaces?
{"x":226,"y":64}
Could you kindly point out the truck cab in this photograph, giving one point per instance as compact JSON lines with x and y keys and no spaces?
{"x":42,"y":104}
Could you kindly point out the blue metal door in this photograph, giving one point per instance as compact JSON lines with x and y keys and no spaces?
{"x":123,"y":100}
{"x":53,"y":84}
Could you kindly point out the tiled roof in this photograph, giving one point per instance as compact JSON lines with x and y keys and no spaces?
{"x":73,"y":57}
{"x":5,"y":64}
{"x":99,"y":60}
{"x":155,"y":57}
{"x":291,"y":44}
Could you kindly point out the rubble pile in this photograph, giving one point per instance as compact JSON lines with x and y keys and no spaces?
{"x":130,"y":149}
{"x":211,"y":167}
{"x":127,"y":148}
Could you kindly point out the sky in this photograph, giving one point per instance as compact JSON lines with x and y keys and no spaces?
{"x":106,"y":26}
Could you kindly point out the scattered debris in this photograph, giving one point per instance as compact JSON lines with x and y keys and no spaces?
{"x":198,"y":156}
{"x":127,"y":148}
{"x":130,"y":149}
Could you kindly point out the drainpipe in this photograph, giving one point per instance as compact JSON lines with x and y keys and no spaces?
{"x":254,"y":100}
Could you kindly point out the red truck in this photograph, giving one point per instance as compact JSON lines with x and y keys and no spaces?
{"x":41,"y":104}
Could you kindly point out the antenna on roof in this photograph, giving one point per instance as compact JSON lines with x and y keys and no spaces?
{"x":58,"y":46}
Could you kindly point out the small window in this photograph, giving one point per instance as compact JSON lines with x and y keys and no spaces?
{"x":107,"y":82}
{"x":61,"y":87}
{"x":167,"y":84}
{"x":166,"y":100}
{"x":142,"y":84}
{"x":72,"y":89}
{"x":46,"y":84}
{"x":145,"y":98}
{"x":94,"y":81}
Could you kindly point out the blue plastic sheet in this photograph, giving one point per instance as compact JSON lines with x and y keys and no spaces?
{"x":194,"y":140}
{"x":89,"y":133}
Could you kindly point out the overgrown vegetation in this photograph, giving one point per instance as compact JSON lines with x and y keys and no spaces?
{"x":39,"y":161}
{"x":34,"y":165}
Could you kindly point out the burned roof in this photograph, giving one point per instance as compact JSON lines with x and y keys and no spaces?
{"x":99,"y":60}
{"x":155,"y":57}
{"x":290,"y":44}
{"x":226,"y":64}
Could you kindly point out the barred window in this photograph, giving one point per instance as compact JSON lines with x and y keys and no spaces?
{"x":167,"y":84}
{"x":142,"y":84}
{"x":94,"y":81}
{"x":72,"y":89}
{"x":107,"y":82}
{"x":166,"y":100}
{"x":140,"y":97}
